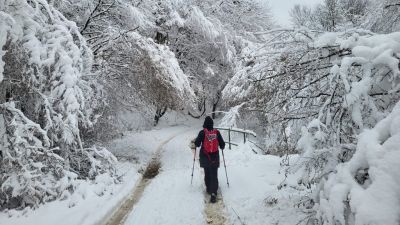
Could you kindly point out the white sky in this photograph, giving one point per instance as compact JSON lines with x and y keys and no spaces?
{"x":280,"y":9}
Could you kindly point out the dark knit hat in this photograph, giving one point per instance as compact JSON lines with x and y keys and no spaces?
{"x":208,"y":123}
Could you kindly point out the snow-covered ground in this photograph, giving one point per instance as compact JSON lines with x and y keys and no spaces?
{"x":92,"y":202}
{"x":254,"y":181}
{"x":89,"y":204}
{"x":170,"y":198}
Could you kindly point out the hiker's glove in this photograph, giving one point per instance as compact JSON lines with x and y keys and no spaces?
{"x":192,"y":145}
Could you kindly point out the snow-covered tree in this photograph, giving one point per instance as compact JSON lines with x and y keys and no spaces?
{"x":327,"y":88}
{"x":331,"y":15}
{"x":44,"y":105}
{"x":383,"y":16}
{"x":117,"y":33}
{"x":205,"y":37}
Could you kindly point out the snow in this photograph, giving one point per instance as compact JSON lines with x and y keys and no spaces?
{"x":137,"y":17}
{"x":170,"y":71}
{"x":176,"y":19}
{"x":93,"y":201}
{"x":88,"y":205}
{"x":253,"y":180}
{"x":355,"y":185}
{"x":198,"y":20}
{"x":326,"y":39}
{"x":375,"y":200}
{"x":170,"y":198}
{"x":6,"y":22}
{"x":231,"y":118}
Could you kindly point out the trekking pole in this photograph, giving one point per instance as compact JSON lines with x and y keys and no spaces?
{"x":194,"y":160}
{"x":226,"y":174}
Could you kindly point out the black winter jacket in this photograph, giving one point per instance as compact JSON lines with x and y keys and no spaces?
{"x":205,"y":162}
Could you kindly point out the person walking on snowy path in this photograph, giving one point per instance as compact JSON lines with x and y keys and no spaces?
{"x":210,"y":139}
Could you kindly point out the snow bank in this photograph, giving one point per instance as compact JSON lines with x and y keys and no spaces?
{"x":88,"y":205}
{"x":253,"y":196}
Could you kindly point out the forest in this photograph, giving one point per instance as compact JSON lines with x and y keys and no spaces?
{"x":76,"y":75}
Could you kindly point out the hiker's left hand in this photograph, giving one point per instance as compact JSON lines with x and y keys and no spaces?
{"x":192,"y":144}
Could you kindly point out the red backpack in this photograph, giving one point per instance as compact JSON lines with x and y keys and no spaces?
{"x":210,"y":143}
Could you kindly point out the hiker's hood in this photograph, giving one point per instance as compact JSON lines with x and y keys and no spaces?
{"x":208,"y":123}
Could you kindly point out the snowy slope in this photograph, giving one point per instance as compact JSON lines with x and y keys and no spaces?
{"x":253,"y":183}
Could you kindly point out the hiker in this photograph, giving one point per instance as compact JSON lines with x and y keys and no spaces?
{"x":209,"y":139}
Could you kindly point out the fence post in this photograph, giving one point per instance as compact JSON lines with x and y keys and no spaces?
{"x":229,"y":137}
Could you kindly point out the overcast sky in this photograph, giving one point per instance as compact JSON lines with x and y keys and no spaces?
{"x":280,"y":9}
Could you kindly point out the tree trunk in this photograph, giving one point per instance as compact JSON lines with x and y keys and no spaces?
{"x":215,"y":104}
{"x":2,"y":135}
{"x":202,"y":113}
{"x":213,"y":110}
{"x":159,"y":113}
{"x":3,"y":89}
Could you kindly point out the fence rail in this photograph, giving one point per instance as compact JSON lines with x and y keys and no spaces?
{"x":237,"y":130}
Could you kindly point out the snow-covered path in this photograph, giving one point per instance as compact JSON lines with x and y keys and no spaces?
{"x":169,"y":198}
{"x":120,"y":214}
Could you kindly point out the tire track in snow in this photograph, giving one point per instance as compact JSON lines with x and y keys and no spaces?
{"x":119,"y":215}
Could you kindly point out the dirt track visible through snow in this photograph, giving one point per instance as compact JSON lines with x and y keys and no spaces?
{"x":165,"y":196}
{"x":119,"y":216}
{"x":215,"y":212}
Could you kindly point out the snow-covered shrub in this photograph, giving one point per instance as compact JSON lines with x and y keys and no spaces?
{"x":365,"y":190}
{"x":30,"y":169}
{"x":366,"y":86}
{"x":44,"y":105}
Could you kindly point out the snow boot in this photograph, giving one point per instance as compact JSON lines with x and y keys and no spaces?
{"x":213,"y":198}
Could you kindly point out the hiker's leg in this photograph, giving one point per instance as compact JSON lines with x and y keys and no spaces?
{"x":214,"y":180}
{"x":207,"y":179}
